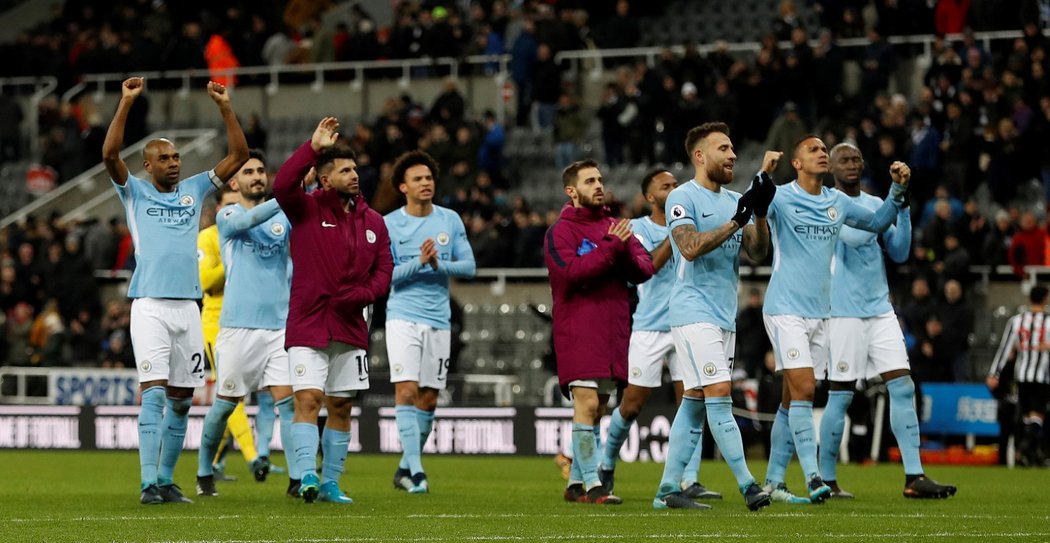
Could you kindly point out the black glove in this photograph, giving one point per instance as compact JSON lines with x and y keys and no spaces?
{"x":744,"y":207}
{"x":765,"y":189}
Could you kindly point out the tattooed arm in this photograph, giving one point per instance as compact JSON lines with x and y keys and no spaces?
{"x":693,"y":244}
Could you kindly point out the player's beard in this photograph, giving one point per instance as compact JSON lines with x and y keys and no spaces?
{"x":591,"y":202}
{"x":718,"y":174}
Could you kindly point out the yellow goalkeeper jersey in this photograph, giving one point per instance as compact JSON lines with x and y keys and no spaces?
{"x":213,"y":278}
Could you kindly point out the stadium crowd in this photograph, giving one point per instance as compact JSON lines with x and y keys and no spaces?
{"x":982,"y":119}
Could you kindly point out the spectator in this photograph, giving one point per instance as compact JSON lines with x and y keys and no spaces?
{"x":47,"y":336}
{"x":490,"y":152}
{"x":997,"y":244}
{"x":19,"y":324}
{"x":570,"y":127}
{"x":523,"y":59}
{"x":1028,"y":245}
{"x":920,"y":307}
{"x":254,"y":133}
{"x":546,"y":86}
{"x":956,"y":315}
{"x":786,"y":131}
{"x":752,"y":343}
{"x":613,"y":134}
{"x":449,"y":106}
{"x":932,"y":358}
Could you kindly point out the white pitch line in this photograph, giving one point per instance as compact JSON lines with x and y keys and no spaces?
{"x":618,"y":537}
{"x":454,"y":516}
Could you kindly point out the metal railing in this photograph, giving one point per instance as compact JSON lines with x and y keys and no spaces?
{"x":42,"y":86}
{"x":652,"y":53}
{"x":95,"y":181}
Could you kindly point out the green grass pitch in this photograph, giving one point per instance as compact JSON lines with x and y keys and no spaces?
{"x":93,"y":496}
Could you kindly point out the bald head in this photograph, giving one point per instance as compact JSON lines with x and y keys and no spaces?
{"x":162,"y":162}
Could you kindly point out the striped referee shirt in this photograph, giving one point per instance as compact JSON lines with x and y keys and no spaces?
{"x":1022,"y":341}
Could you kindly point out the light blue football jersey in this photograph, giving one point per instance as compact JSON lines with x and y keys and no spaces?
{"x":654,"y":294}
{"x":804,"y":229}
{"x":418,"y":293}
{"x":858,"y":271}
{"x":164,"y":228}
{"x":705,"y":290}
{"x":254,"y":244}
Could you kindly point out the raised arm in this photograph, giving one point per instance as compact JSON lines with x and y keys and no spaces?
{"x":879,"y":221}
{"x":237,"y":146}
{"x":756,"y":236}
{"x":231,"y":221}
{"x":897,"y":239}
{"x":129,"y":91}
{"x":288,"y":184}
{"x":756,"y":239}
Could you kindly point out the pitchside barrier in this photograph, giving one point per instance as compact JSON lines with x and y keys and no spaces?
{"x":95,"y":409}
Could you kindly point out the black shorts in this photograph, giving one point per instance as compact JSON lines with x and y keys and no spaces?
{"x":1032,"y":397}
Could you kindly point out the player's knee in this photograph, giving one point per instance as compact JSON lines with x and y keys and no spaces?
{"x":307,"y":403}
{"x":717,"y":390}
{"x":180,"y":406}
{"x":901,"y":388}
{"x":803,"y":390}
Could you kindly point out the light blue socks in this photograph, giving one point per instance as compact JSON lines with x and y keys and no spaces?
{"x":585,"y":454}
{"x":800,"y":417}
{"x":726,"y":432}
{"x":334,"y":444}
{"x":150,"y":417}
{"x":214,"y":428}
{"x":426,"y":424}
{"x":831,"y":427}
{"x":264,"y":422}
{"x":286,"y":412}
{"x":782,"y":448}
{"x":905,"y":422}
{"x":619,"y":429}
{"x":408,"y":429}
{"x":305,"y":440}
{"x":686,"y":431}
{"x":172,"y":438}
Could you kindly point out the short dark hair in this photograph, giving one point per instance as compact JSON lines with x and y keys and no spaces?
{"x":1038,"y":294}
{"x":648,"y":179}
{"x":258,"y":155}
{"x":698,"y":133}
{"x":225,"y":189}
{"x":408,"y":160}
{"x":331,"y":154}
{"x":568,"y":175}
{"x":799,"y":142}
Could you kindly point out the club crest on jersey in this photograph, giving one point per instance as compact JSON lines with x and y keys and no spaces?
{"x":677,"y":211}
{"x":833,"y":213}
{"x":442,"y":239}
{"x":709,"y":369}
{"x":370,"y":236}
{"x":300,"y":370}
{"x":636,"y":372}
{"x":843,"y":367}
{"x":146,"y":366}
{"x":277,"y":229}
{"x":228,"y":385}
{"x":186,"y":200}
{"x":398,"y":369}
{"x":793,"y":354}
